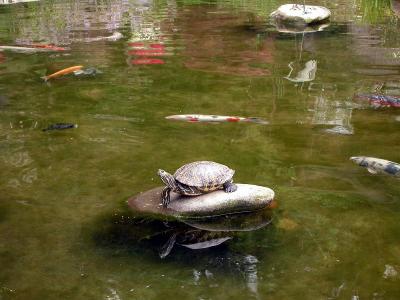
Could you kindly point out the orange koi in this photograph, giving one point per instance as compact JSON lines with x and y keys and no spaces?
{"x":62,"y":72}
{"x":49,"y":47}
{"x":273,"y":204}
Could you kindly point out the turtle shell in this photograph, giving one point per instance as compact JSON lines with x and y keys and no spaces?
{"x":203,"y":173}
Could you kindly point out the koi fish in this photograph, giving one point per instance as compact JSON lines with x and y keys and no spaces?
{"x":5,"y":2}
{"x":379,"y":101}
{"x":62,"y":72}
{"x":147,"y":52}
{"x":112,"y":38}
{"x":20,"y":49}
{"x":48,"y":47}
{"x":140,"y":45}
{"x":215,"y":119}
{"x":377,"y":165}
{"x":60,"y":126}
{"x":87,"y":72}
{"x":147,"y":61}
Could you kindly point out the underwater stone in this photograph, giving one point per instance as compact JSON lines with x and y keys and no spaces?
{"x":246,"y":198}
{"x":301,"y":13}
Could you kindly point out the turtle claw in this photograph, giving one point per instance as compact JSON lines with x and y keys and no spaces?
{"x":230,"y":187}
{"x":165,"y":199}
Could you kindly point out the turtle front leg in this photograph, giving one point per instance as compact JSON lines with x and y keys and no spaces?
{"x":230,"y":187}
{"x":165,"y":198}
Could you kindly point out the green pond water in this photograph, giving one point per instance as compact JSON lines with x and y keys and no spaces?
{"x":66,"y":231}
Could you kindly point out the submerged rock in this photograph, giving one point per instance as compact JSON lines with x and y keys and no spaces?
{"x":389,"y":272}
{"x":245,"y":199}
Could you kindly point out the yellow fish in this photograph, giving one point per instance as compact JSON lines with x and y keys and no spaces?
{"x":62,"y":72}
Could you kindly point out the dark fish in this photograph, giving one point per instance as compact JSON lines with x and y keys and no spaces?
{"x":60,"y":126}
{"x":378,"y":101}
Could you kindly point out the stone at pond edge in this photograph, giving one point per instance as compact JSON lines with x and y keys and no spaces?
{"x":299,"y":13}
{"x":245,"y":199}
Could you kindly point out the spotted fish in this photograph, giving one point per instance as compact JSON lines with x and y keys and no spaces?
{"x":377,"y":165}
{"x":378,"y":100}
{"x":215,"y":119}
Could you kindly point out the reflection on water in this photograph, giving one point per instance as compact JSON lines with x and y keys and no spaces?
{"x":240,"y":52}
{"x":304,"y":75}
{"x":174,"y":241}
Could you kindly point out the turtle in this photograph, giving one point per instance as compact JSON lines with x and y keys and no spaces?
{"x":197,"y":178}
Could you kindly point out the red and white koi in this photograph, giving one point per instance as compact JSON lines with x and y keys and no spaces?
{"x":215,"y":119}
{"x":378,"y":100}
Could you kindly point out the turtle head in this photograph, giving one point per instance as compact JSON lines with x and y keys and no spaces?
{"x":167,"y":178}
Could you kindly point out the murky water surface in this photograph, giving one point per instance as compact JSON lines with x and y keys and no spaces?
{"x":65,"y":229}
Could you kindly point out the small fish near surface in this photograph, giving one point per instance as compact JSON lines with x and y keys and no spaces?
{"x":377,"y":165}
{"x":62,"y":72}
{"x":215,"y":119}
{"x":60,"y":126}
{"x":378,"y":100}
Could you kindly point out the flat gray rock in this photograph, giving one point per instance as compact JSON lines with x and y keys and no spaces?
{"x":307,"y":14}
{"x":246,"y":198}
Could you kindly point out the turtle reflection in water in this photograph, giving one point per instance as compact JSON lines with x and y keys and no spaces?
{"x":194,"y":239}
{"x":210,"y":232}
{"x":197,"y":178}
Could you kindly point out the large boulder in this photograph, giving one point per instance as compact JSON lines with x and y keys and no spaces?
{"x":246,"y":198}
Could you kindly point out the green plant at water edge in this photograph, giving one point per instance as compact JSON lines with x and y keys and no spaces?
{"x":375,"y":11}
